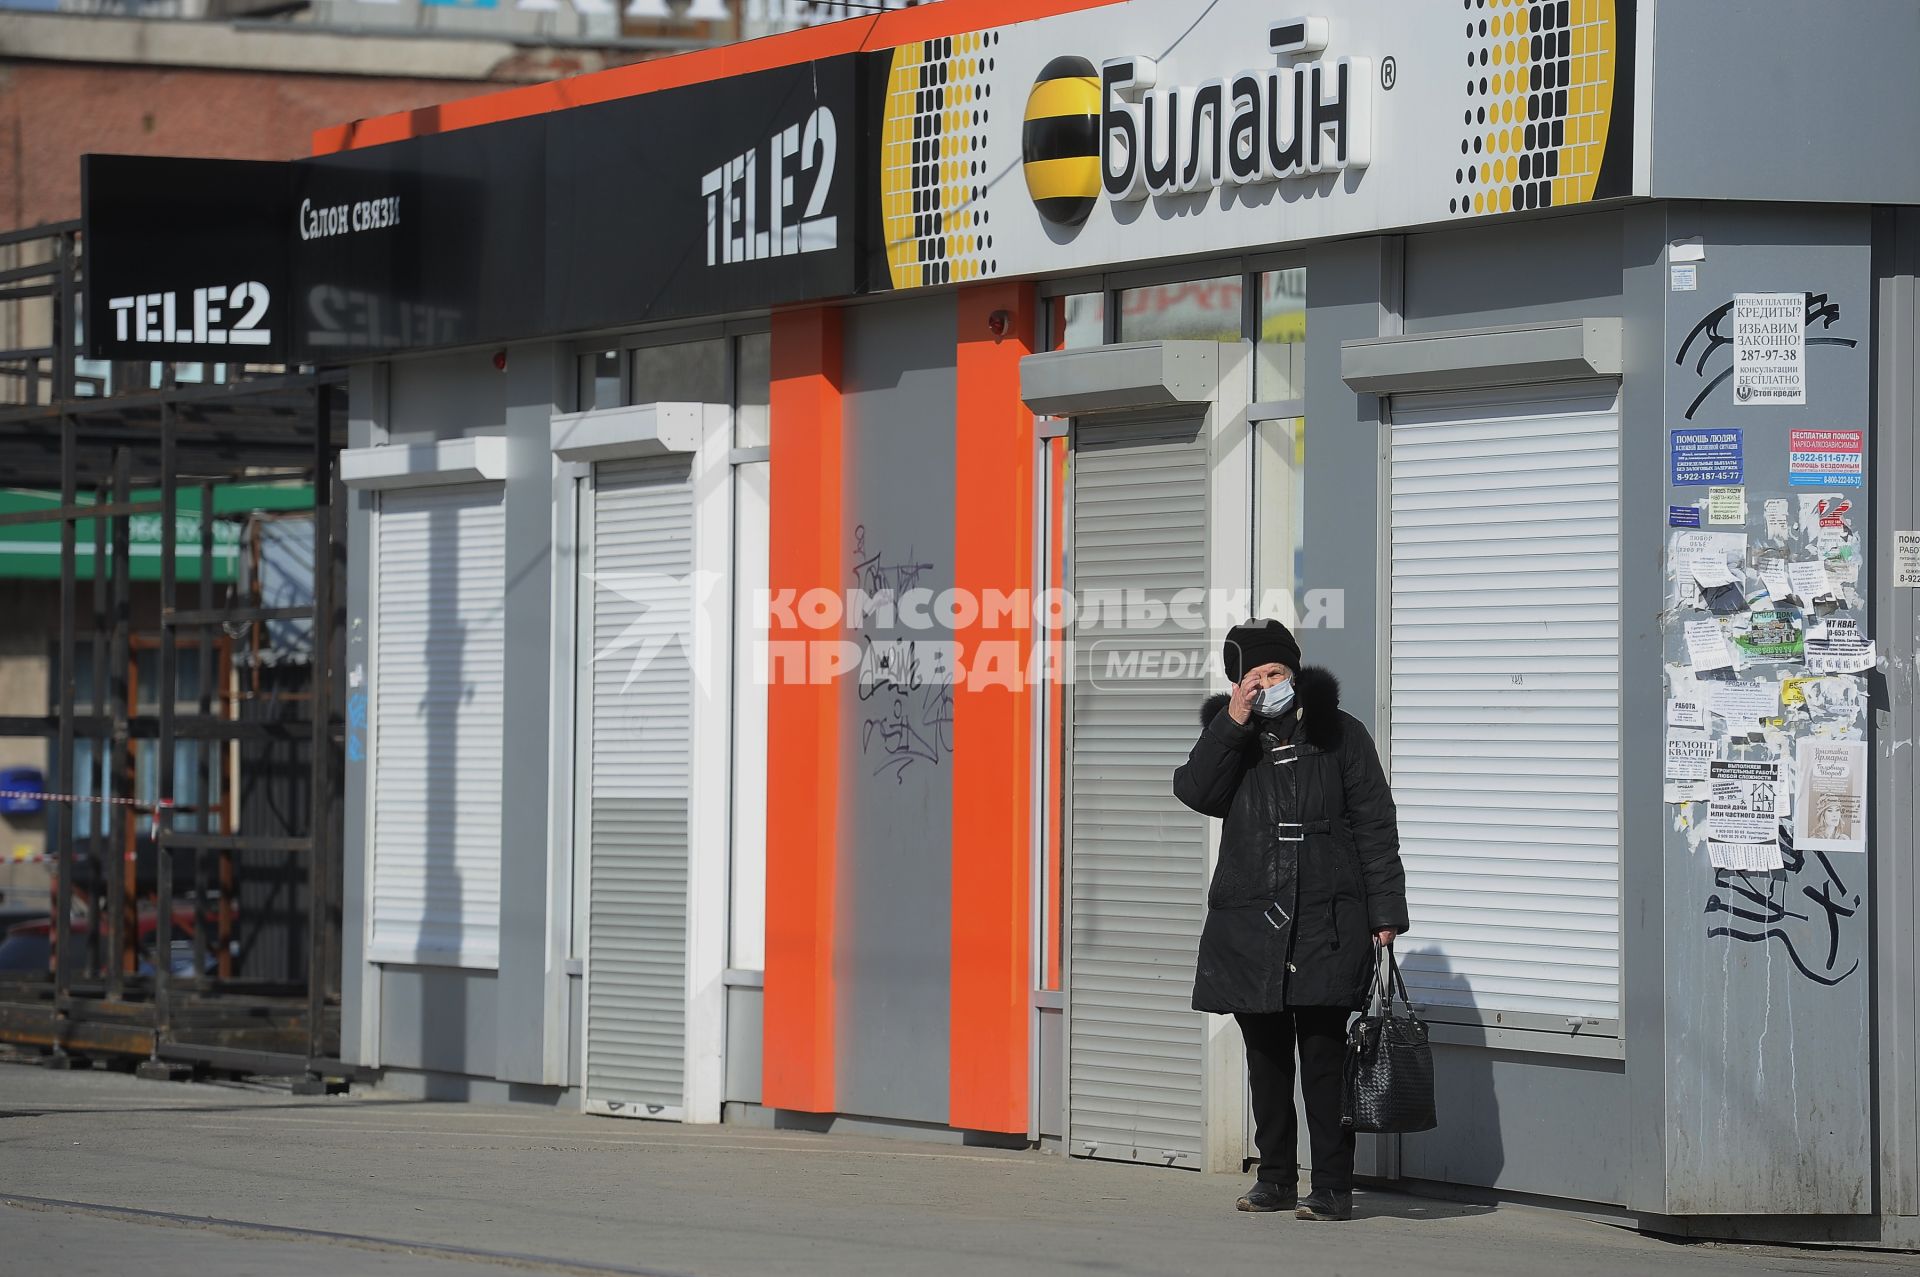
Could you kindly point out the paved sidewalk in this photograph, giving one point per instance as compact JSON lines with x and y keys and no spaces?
{"x":102,"y":1173}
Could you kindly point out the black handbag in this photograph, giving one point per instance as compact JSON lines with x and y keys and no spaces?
{"x":1389,"y":1079}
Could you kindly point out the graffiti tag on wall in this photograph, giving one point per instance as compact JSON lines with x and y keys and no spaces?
{"x":1820,"y":310}
{"x":906,"y":689}
{"x":1803,"y":908}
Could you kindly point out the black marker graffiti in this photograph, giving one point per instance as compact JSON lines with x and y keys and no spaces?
{"x":1819,"y":310}
{"x":1767,"y":918}
{"x":873,"y":575}
{"x":910,"y":729}
{"x":904,"y":683}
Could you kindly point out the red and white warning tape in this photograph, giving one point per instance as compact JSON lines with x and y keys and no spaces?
{"x":163,"y":805}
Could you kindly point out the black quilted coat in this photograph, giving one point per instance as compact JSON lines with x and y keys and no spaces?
{"x":1309,"y":854}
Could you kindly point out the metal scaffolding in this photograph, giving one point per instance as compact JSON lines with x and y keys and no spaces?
{"x":100,"y":999}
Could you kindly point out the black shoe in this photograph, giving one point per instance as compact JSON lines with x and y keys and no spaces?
{"x":1264,"y":1198}
{"x":1324,"y":1203}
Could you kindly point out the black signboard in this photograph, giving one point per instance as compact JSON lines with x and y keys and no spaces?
{"x":729,"y":195}
{"x":431,"y":243}
{"x":186,"y":259}
{"x":700,"y":200}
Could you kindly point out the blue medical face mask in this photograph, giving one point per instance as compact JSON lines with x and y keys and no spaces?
{"x":1271,"y":702}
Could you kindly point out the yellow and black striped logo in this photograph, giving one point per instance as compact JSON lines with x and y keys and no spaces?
{"x":1060,"y":141}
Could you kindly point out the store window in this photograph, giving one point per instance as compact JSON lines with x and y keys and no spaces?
{"x":1196,"y":310}
{"x":600,"y":383}
{"x":752,"y":390}
{"x":1280,"y":353}
{"x":752,"y":532}
{"x":685,"y":372}
{"x":1279,"y":516}
{"x":1077,"y":321}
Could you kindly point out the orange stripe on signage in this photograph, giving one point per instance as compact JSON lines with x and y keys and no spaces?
{"x":991,"y":976}
{"x":803,"y":719}
{"x":853,"y":35}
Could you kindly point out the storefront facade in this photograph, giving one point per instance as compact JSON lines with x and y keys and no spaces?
{"x":729,"y":434}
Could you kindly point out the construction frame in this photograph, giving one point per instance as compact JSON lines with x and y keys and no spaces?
{"x":99,"y":1000}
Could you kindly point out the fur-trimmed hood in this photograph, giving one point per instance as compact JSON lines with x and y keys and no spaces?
{"x":1316,"y":695}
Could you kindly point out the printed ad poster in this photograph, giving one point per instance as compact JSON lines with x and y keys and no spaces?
{"x":1830,"y":813}
{"x":1702,"y":458}
{"x":1826,"y":458}
{"x":1707,"y":650}
{"x":1775,"y":636}
{"x":1746,"y":706}
{"x":1769,"y":348}
{"x":1906,"y":560}
{"x":1743,"y":831}
{"x":1841,"y":649}
{"x":1689,"y":753}
{"x":1727,"y":505}
{"x":1776,"y":514}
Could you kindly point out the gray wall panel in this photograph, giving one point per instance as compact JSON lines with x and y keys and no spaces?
{"x":366,"y":425}
{"x":895,"y":881}
{"x":1519,"y":273}
{"x":744,"y":1009}
{"x":534,"y":379}
{"x":1546,"y":1124}
{"x":1768,"y":1076}
{"x":438,"y":1018}
{"x":1785,"y":99}
{"x":1643,"y":460}
{"x":1344,"y":283}
{"x":576,"y":1029}
{"x":1897,"y":771}
{"x":449,"y":396}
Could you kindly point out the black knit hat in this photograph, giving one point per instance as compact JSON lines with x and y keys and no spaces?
{"x":1258,"y":642}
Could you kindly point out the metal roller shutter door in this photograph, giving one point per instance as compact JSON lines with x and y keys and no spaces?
{"x":638,"y":693}
{"x":438,"y":662}
{"x":1505,"y":740}
{"x":1137,"y":857}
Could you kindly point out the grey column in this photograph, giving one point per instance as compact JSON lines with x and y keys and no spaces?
{"x":535,"y":384}
{"x":366,"y":426}
{"x":1896,"y":478}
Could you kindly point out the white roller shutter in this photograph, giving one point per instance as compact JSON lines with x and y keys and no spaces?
{"x":1137,"y":858}
{"x":439,"y":587}
{"x":1505,"y":733}
{"x":637,"y":686}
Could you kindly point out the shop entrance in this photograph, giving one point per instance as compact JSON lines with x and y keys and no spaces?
{"x":1137,"y":859}
{"x":1156,"y":513}
{"x":635,"y":740}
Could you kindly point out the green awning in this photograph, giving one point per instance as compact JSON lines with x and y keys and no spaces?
{"x":31,"y":551}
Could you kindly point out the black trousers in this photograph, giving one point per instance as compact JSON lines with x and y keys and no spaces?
{"x":1321,"y":1036}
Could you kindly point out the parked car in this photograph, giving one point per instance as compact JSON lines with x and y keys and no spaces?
{"x":27,"y":947}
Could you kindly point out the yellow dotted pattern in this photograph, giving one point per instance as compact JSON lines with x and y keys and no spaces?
{"x":1540,"y":81}
{"x":933,"y":166}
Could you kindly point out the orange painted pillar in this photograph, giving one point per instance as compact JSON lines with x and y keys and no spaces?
{"x":991,"y":979}
{"x":803,"y":717}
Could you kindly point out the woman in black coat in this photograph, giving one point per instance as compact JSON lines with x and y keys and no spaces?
{"x":1308,"y":886}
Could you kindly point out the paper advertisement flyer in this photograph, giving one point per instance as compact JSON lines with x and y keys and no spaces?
{"x":1775,"y":636}
{"x":1841,"y":649}
{"x":1707,"y":648}
{"x":1688,"y":754}
{"x":1742,"y":830}
{"x":1769,"y":348}
{"x":1831,"y":806}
